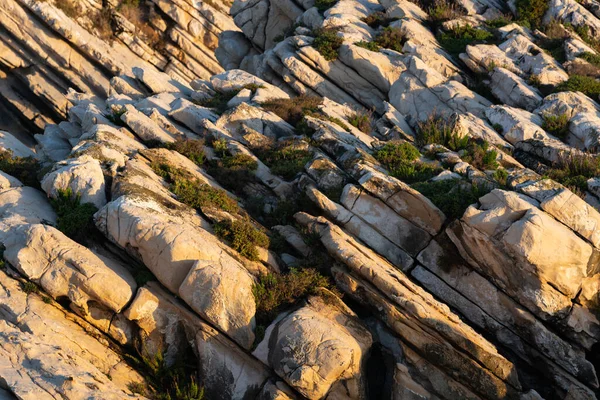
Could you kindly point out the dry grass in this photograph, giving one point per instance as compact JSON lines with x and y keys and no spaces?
{"x":71,"y":8}
{"x":139,"y":17}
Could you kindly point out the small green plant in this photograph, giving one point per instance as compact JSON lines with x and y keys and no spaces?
{"x":500,"y":175}
{"x":219,"y":101}
{"x":361,"y":120}
{"x":199,"y":195}
{"x":274,"y":293}
{"x":400,"y":159}
{"x":390,"y":38}
{"x":191,"y":148}
{"x":243,"y":237}
{"x":294,"y":110}
{"x":444,"y":10}
{"x":498,"y":128}
{"x":220,"y":147}
{"x":115,"y":116}
{"x":29,"y":287}
{"x":451,"y":196}
{"x":394,"y":153}
{"x":580,"y":83}
{"x":573,"y":170}
{"x":534,"y":80}
{"x":456,"y":40}
{"x":372,"y":46}
{"x":530,"y":12}
{"x":75,"y":219}
{"x":25,"y":169}
{"x":286,"y":160}
{"x":193,"y":192}
{"x":327,"y":42}
{"x":167,"y":382}
{"x":480,"y":155}
{"x":500,"y":21}
{"x":435,"y":129}
{"x":376,"y":19}
{"x":240,"y":161}
{"x":558,"y":125}
{"x":592,"y":58}
{"x":323,"y":5}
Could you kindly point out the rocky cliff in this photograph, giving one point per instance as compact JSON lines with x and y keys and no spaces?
{"x":299,"y":200}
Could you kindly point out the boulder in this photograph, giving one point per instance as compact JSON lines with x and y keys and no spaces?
{"x":413,"y":314}
{"x":221,"y":292}
{"x":512,"y":227}
{"x":421,"y":91}
{"x":512,"y":90}
{"x":64,"y":268}
{"x":316,"y":347}
{"x":23,"y":205}
{"x":82,"y":176}
{"x":172,"y":248}
{"x":47,"y":352}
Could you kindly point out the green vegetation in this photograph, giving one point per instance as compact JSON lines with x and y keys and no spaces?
{"x":274,"y":293}
{"x":436,"y":130}
{"x":500,"y":175}
{"x":390,"y":38}
{"x":558,"y":125}
{"x":25,"y":169}
{"x":361,"y":120}
{"x":580,"y":83}
{"x":167,"y":382}
{"x":293,"y":110}
{"x":573,"y":171}
{"x":327,"y":42}
{"x":584,"y":33}
{"x":323,"y":5}
{"x":74,"y":218}
{"x":232,"y":172}
{"x":193,"y":192}
{"x":500,"y":21}
{"x":191,"y":148}
{"x":453,"y":197}
{"x":592,"y":58}
{"x":444,"y":10}
{"x":458,"y":38}
{"x":199,"y":195}
{"x":286,"y":159}
{"x":480,"y":155}
{"x":242,"y":236}
{"x":219,"y":101}
{"x":29,"y":287}
{"x":115,"y":116}
{"x":534,"y":80}
{"x":376,"y":19}
{"x":220,"y":147}
{"x":531,"y":12}
{"x":372,"y":46}
{"x":240,"y":161}
{"x":401,"y":160}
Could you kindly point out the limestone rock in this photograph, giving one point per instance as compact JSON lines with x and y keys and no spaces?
{"x":83,"y":176}
{"x":316,"y":346}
